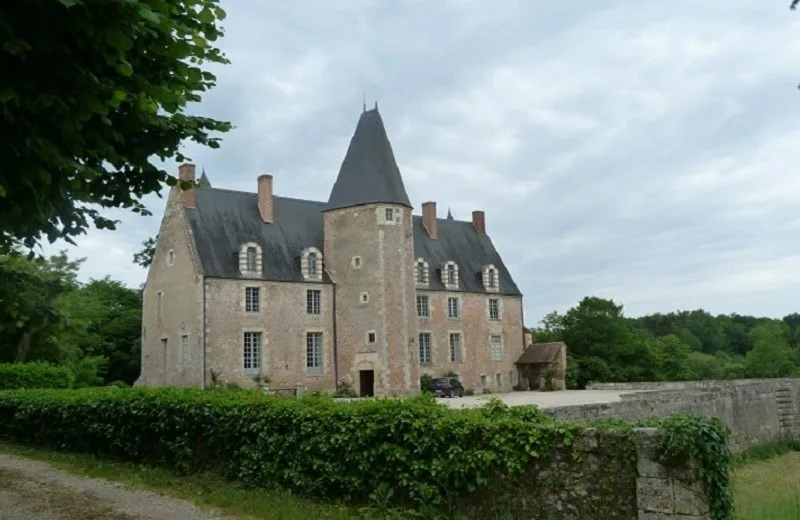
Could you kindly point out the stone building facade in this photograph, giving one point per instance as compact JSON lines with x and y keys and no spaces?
{"x":356,"y":290}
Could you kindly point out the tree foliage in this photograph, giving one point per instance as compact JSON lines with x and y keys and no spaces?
{"x":145,"y":257}
{"x":93,"y":91}
{"x":605,"y":346}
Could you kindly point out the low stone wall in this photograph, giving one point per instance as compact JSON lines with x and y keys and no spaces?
{"x":615,"y":477}
{"x":757,"y":410}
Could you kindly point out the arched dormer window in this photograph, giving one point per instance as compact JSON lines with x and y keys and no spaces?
{"x":311,"y":264}
{"x":491,"y":278}
{"x":450,"y":275}
{"x":250,"y":259}
{"x":421,"y":276}
{"x":252,"y":256}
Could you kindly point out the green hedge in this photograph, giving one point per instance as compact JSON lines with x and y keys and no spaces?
{"x":427,"y":454}
{"x":34,"y":375}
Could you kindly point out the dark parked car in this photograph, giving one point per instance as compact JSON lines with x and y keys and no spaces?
{"x":448,"y":387}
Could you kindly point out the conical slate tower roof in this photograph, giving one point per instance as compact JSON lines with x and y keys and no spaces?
{"x":369,"y":173}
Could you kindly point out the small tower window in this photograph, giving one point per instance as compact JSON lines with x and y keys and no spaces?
{"x":420,"y":272}
{"x":492,"y":278}
{"x":451,"y":274}
{"x":252,"y":254}
{"x":389,"y":214}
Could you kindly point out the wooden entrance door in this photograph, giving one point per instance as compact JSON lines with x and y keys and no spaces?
{"x":366,"y":380}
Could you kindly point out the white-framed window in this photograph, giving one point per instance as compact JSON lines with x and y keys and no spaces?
{"x":492,"y":274}
{"x":494,"y":309}
{"x":388,"y":214}
{"x":184,"y":351}
{"x":252,"y":299}
{"x":314,"y":352}
{"x":312,"y":264}
{"x":159,"y":304}
{"x":451,"y":274}
{"x":424,"y":347}
{"x":252,"y":353}
{"x":456,"y":351}
{"x":452,"y":307}
{"x":496,"y":348}
{"x":370,"y":337}
{"x":252,"y":258}
{"x":421,"y":275}
{"x":313,"y":301}
{"x":423,"y":310}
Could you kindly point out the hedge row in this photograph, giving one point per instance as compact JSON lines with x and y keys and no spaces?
{"x":34,"y":375}
{"x":423,"y":451}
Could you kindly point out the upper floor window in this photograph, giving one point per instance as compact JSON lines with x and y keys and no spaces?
{"x":312,"y":264}
{"x":452,"y":307}
{"x":450,"y":275}
{"x":389,"y":214}
{"x":424,"y":347}
{"x":252,"y":257}
{"x":422,"y":307}
{"x":252,"y":299}
{"x":313,"y":301}
{"x":456,"y":354}
{"x":491,"y":278}
{"x":494,"y":309}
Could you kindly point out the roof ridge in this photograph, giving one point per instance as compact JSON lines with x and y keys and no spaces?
{"x":282,"y":197}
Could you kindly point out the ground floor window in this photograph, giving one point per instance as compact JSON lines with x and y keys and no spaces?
{"x":425,"y":347}
{"x":456,"y":354}
{"x":252,"y":353}
{"x":314,"y":352}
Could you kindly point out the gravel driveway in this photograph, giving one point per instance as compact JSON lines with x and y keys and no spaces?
{"x":31,"y":489}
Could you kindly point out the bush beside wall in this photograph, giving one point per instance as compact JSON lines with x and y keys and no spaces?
{"x":484,"y":462}
{"x":34,"y":375}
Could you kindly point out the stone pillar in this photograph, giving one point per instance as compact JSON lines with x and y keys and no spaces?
{"x":666,"y":493}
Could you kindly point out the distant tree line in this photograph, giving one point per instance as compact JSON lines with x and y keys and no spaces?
{"x":605,"y":346}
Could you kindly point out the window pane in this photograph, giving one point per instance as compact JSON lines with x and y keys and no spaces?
{"x":455,"y":348}
{"x":312,"y":263}
{"x":252,"y":299}
{"x":494,"y":309}
{"x":252,"y":252}
{"x":313,"y":301}
{"x":452,"y":307}
{"x":422,"y":306}
{"x":252,"y":352}
{"x":496,"y":348}
{"x":424,"y":347}
{"x":314,"y":352}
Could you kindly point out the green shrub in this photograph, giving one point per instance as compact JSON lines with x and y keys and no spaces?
{"x":426,"y":383}
{"x":549,"y":380}
{"x":34,"y":375}
{"x":345,"y":390}
{"x":426,"y":453}
{"x":469,"y":391}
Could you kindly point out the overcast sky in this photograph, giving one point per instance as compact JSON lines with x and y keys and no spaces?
{"x":642,"y":151}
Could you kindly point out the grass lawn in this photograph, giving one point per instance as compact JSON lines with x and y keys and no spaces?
{"x":768,"y":490}
{"x":203,"y":490}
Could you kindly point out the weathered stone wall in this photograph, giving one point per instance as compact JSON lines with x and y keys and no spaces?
{"x":614,"y":478}
{"x":283,"y":323}
{"x":757,"y":411}
{"x":174,"y":272}
{"x":476,"y":330}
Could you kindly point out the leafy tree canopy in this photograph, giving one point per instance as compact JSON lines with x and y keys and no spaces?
{"x":92,"y":92}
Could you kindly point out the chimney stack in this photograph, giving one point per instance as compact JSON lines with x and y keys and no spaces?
{"x":429,"y":219}
{"x":265,"y":198}
{"x":479,"y":222}
{"x":186,"y":173}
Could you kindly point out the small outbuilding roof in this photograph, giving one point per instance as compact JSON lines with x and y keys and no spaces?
{"x":540,"y":353}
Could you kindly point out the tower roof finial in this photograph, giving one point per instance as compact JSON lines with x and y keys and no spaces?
{"x":449,"y":214}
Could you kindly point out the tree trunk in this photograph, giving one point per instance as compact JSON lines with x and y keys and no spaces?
{"x":23,"y":345}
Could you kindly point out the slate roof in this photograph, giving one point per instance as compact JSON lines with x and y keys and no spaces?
{"x":369,"y":172}
{"x":223,"y":220}
{"x":537,"y":353}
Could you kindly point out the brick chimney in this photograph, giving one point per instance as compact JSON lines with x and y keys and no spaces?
{"x":186,"y":173}
{"x":265,"y":198}
{"x":429,"y":219}
{"x":479,"y":222}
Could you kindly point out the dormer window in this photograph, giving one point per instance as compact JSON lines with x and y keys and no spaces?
{"x":450,"y":275}
{"x":250,"y":259}
{"x":252,"y":256}
{"x":490,"y":278}
{"x":311,"y":264}
{"x":421,"y":272}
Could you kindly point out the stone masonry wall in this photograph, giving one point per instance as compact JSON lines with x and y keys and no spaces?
{"x":371,"y":261}
{"x":174,"y":273}
{"x":283,"y":322}
{"x":757,"y":411}
{"x":476,"y":329}
{"x":614,"y":478}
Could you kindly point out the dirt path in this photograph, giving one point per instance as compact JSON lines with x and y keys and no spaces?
{"x":31,"y":489}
